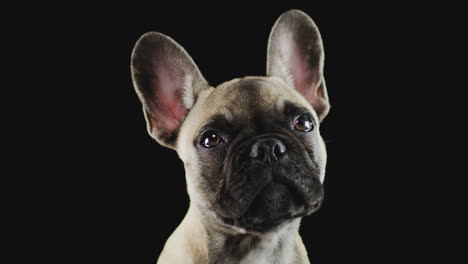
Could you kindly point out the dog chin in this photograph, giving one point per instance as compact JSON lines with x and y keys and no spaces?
{"x":275,"y":205}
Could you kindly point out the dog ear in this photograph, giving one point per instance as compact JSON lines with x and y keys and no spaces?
{"x":167,"y":82}
{"x":295,"y":54}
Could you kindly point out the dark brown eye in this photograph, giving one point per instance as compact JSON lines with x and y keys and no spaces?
{"x":303,"y":123}
{"x":210,"y":139}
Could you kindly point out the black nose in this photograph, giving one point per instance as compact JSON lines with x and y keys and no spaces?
{"x":268,"y":149}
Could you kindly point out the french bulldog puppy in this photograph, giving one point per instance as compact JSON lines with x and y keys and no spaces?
{"x":253,"y":154}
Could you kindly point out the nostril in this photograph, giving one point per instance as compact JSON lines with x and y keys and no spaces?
{"x":254,"y":151}
{"x":257,"y":151}
{"x":267,"y":150}
{"x":279,"y":149}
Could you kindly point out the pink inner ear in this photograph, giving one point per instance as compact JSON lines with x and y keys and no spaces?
{"x":171,"y":109}
{"x":305,"y":77}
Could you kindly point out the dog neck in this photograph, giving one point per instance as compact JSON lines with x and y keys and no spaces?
{"x":273,"y":247}
{"x":207,"y":242}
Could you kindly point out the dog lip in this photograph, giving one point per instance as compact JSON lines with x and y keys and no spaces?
{"x":248,"y":203}
{"x":298,"y":194}
{"x":299,"y":198}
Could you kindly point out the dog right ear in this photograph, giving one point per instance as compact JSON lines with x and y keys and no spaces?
{"x":167,"y":82}
{"x":295,"y":54}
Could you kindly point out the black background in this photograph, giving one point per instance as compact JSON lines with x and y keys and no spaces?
{"x":121,"y":194}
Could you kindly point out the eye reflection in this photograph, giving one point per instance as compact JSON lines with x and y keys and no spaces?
{"x":303,"y":123}
{"x":210,"y":139}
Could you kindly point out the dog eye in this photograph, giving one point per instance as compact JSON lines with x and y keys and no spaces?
{"x":303,"y":123}
{"x":210,"y":139}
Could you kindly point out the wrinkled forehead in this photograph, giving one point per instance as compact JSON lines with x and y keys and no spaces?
{"x":240,"y":98}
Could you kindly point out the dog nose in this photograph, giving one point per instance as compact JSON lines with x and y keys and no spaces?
{"x":268,"y":149}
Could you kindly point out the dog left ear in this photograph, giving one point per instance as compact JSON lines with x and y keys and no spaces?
{"x":295,"y":54}
{"x":167,"y":82}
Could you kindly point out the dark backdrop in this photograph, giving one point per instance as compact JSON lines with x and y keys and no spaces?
{"x":128,"y":194}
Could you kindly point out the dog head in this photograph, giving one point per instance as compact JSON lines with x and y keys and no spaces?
{"x":251,"y":147}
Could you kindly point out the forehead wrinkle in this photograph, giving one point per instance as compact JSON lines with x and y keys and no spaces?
{"x":253,"y":95}
{"x":227,"y":112}
{"x":231,"y":99}
{"x":239,"y":98}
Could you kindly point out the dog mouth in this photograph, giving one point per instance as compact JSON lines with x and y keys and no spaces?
{"x":276,"y":203}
